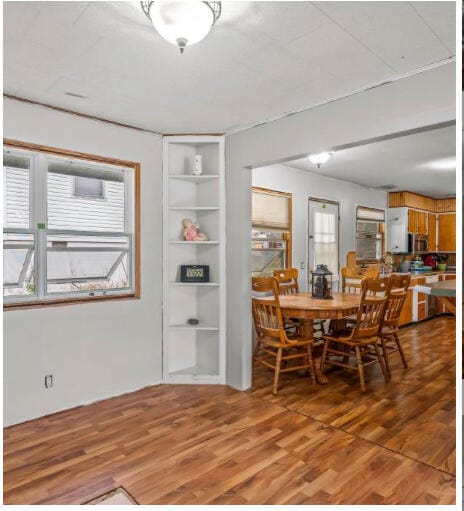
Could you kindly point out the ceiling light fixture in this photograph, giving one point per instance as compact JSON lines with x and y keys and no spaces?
{"x":182,"y":22}
{"x":319,"y":159}
{"x":441,"y":164}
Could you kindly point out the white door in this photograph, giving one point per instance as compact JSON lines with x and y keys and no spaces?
{"x":323,"y":220}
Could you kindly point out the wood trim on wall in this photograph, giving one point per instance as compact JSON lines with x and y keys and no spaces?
{"x":79,"y":114}
{"x":420,"y":202}
{"x":136,"y":293}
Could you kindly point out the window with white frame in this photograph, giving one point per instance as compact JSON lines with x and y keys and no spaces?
{"x":59,"y":242}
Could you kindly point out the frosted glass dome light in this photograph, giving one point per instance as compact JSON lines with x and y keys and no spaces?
{"x":182,"y":22}
{"x":319,"y":159}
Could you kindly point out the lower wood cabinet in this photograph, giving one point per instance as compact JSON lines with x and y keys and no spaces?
{"x":406,"y":313}
{"x":447,"y":232}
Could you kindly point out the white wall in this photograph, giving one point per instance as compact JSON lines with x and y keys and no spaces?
{"x":94,"y":350}
{"x":301,"y":185}
{"x":413,"y":102}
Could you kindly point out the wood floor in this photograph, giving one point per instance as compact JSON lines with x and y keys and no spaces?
{"x":214,"y":445}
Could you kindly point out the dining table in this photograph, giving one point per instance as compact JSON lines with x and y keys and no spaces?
{"x":306,"y":309}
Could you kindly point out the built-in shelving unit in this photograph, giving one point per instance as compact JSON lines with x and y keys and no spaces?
{"x":193,"y":353}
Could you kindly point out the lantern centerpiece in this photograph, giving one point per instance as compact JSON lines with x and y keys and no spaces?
{"x":321,"y":286}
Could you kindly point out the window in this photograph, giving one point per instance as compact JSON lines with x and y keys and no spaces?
{"x":88,"y":187}
{"x":271,"y":236}
{"x":60,"y":242}
{"x":370,"y":234}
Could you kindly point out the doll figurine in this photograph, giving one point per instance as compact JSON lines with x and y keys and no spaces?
{"x":192,"y":231}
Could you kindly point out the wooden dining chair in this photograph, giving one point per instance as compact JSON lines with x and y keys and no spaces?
{"x":281,"y":352}
{"x":288,"y":285}
{"x":352,"y":277}
{"x":389,"y":339}
{"x":360,"y":342}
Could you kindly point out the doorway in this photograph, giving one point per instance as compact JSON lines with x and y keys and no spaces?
{"x":323,"y":238}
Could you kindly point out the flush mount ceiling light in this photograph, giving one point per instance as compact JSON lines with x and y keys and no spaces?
{"x":441,"y":164}
{"x":182,"y":22}
{"x":319,"y":159}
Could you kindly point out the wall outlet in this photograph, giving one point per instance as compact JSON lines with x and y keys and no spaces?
{"x":48,"y":381}
{"x":302,"y":265}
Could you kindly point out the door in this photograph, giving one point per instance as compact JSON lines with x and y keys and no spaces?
{"x":323,"y":244}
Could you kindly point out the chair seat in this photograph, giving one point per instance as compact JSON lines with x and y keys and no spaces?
{"x":389,"y":330}
{"x":293,"y":342}
{"x":344,"y":337}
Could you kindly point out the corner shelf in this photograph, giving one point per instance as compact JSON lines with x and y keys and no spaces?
{"x":192,"y":178}
{"x":194,"y":353}
{"x":201,"y":284}
{"x":181,"y":242}
{"x":196,"y":327}
{"x":193,"y":208}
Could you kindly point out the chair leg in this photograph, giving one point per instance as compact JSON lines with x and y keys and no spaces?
{"x":385,"y":356}
{"x":381,"y":362}
{"x":277,"y":371}
{"x":360,"y":368}
{"x":346,"y":358}
{"x":312,"y":370}
{"x":324,"y":355}
{"x":400,"y":349}
{"x":257,"y":348}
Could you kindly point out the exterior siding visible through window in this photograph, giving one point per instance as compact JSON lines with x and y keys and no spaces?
{"x":60,"y":246}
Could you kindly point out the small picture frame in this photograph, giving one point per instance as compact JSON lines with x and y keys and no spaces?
{"x":194,"y":273}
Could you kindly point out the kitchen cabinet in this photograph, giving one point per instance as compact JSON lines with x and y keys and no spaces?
{"x":417,"y":306}
{"x":447,"y":232}
{"x":421,"y":222}
{"x":413,"y":221}
{"x":432,"y":231}
{"x":406,"y":312}
{"x":417,"y":221}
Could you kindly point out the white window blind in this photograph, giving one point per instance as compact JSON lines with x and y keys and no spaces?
{"x":271,"y":211}
{"x":377,"y":215}
{"x":325,"y":241}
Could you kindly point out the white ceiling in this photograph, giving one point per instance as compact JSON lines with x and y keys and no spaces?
{"x":260,"y":61}
{"x":423,"y":162}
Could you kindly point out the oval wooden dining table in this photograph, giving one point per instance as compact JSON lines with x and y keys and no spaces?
{"x":306,"y":308}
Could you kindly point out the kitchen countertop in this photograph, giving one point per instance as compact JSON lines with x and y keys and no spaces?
{"x":426,"y":273}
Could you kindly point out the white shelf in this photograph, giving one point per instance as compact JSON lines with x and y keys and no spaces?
{"x":196,"y":327}
{"x":196,"y":370}
{"x":193,"y":208}
{"x":195,"y":179}
{"x":194,"y":353}
{"x":180,"y":242}
{"x":194,"y":284}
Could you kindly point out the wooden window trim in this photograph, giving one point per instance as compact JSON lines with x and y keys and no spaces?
{"x":133,"y":294}
{"x":287,"y":236}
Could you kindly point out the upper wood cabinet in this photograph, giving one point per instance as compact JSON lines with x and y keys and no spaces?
{"x":447,"y":232}
{"x":432,"y":231}
{"x":417,"y":221}
{"x":412,"y":221}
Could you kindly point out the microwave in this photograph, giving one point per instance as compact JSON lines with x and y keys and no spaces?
{"x":417,"y":243}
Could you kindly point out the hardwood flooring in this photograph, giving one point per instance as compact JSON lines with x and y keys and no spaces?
{"x":182,"y":444}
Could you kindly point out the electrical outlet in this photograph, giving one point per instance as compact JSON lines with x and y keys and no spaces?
{"x":302,"y":265}
{"x":48,"y":381}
